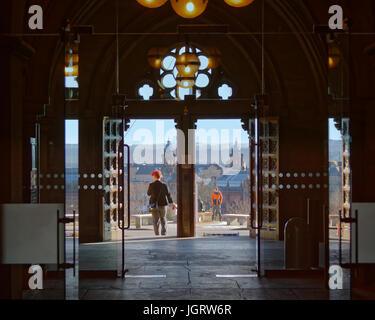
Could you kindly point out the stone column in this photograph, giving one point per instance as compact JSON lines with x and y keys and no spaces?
{"x":90,"y":163}
{"x":186,"y":187}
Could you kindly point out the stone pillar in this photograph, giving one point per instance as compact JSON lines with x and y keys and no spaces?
{"x":186,"y":187}
{"x":90,"y":165}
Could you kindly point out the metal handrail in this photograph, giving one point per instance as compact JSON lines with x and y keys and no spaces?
{"x":74,"y":243}
{"x":64,"y":221}
{"x":128,"y":180}
{"x":121,"y":198}
{"x":259,"y":182}
{"x":121,"y":203}
{"x":351,"y":221}
{"x":120,"y":207}
{"x":252,"y":218}
{"x":260,"y":196}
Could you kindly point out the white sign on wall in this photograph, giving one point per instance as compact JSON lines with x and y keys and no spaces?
{"x":29,"y":233}
{"x":366,"y":232}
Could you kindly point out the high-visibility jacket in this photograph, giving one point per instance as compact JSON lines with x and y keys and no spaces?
{"x":216,"y":198}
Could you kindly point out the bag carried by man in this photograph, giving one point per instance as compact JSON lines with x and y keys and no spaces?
{"x":152,"y":207}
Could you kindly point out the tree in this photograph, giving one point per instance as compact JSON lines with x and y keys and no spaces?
{"x":239,"y":207}
{"x":205,"y":192}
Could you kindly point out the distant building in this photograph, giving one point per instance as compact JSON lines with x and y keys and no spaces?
{"x":142,"y":173}
{"x":235,"y":189}
{"x":208,"y":173}
{"x":335,"y":187}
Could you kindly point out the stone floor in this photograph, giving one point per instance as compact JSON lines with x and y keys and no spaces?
{"x":174,"y":288}
{"x":230,"y":253}
{"x":185,"y":269}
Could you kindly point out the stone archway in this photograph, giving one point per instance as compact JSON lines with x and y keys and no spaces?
{"x":98,"y":64}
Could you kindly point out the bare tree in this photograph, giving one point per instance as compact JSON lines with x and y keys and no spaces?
{"x":205,"y":192}
{"x":240,"y":207}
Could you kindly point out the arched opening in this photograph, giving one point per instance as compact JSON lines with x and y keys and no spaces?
{"x":155,"y":89}
{"x":273,"y":79}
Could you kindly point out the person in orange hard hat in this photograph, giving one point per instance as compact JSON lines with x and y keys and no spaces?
{"x":216,"y":200}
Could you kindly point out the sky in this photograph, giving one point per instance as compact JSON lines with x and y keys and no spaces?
{"x":140,"y":129}
{"x":71,"y":131}
{"x":334,"y":134}
{"x":137,"y":133}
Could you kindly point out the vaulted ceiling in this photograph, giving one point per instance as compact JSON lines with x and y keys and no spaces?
{"x":295,"y":58}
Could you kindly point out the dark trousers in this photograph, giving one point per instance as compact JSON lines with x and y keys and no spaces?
{"x":216,"y":211}
{"x":159,"y":217}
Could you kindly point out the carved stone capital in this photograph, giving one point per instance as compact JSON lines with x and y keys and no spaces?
{"x":185,"y":122}
{"x":245,"y":122}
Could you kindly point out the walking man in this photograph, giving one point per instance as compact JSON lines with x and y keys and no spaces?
{"x":159,"y":199}
{"x":216,"y":200}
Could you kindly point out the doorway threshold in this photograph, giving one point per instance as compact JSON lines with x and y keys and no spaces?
{"x":145,"y":276}
{"x":236,"y":276}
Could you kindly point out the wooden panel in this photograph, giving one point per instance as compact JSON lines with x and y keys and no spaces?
{"x":204,"y":109}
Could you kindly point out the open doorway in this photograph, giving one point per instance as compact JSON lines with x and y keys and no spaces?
{"x":222,"y":177}
{"x":339,"y":190}
{"x":223,"y":198}
{"x":153,"y":146}
{"x":72,"y":172}
{"x":198,"y":259}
